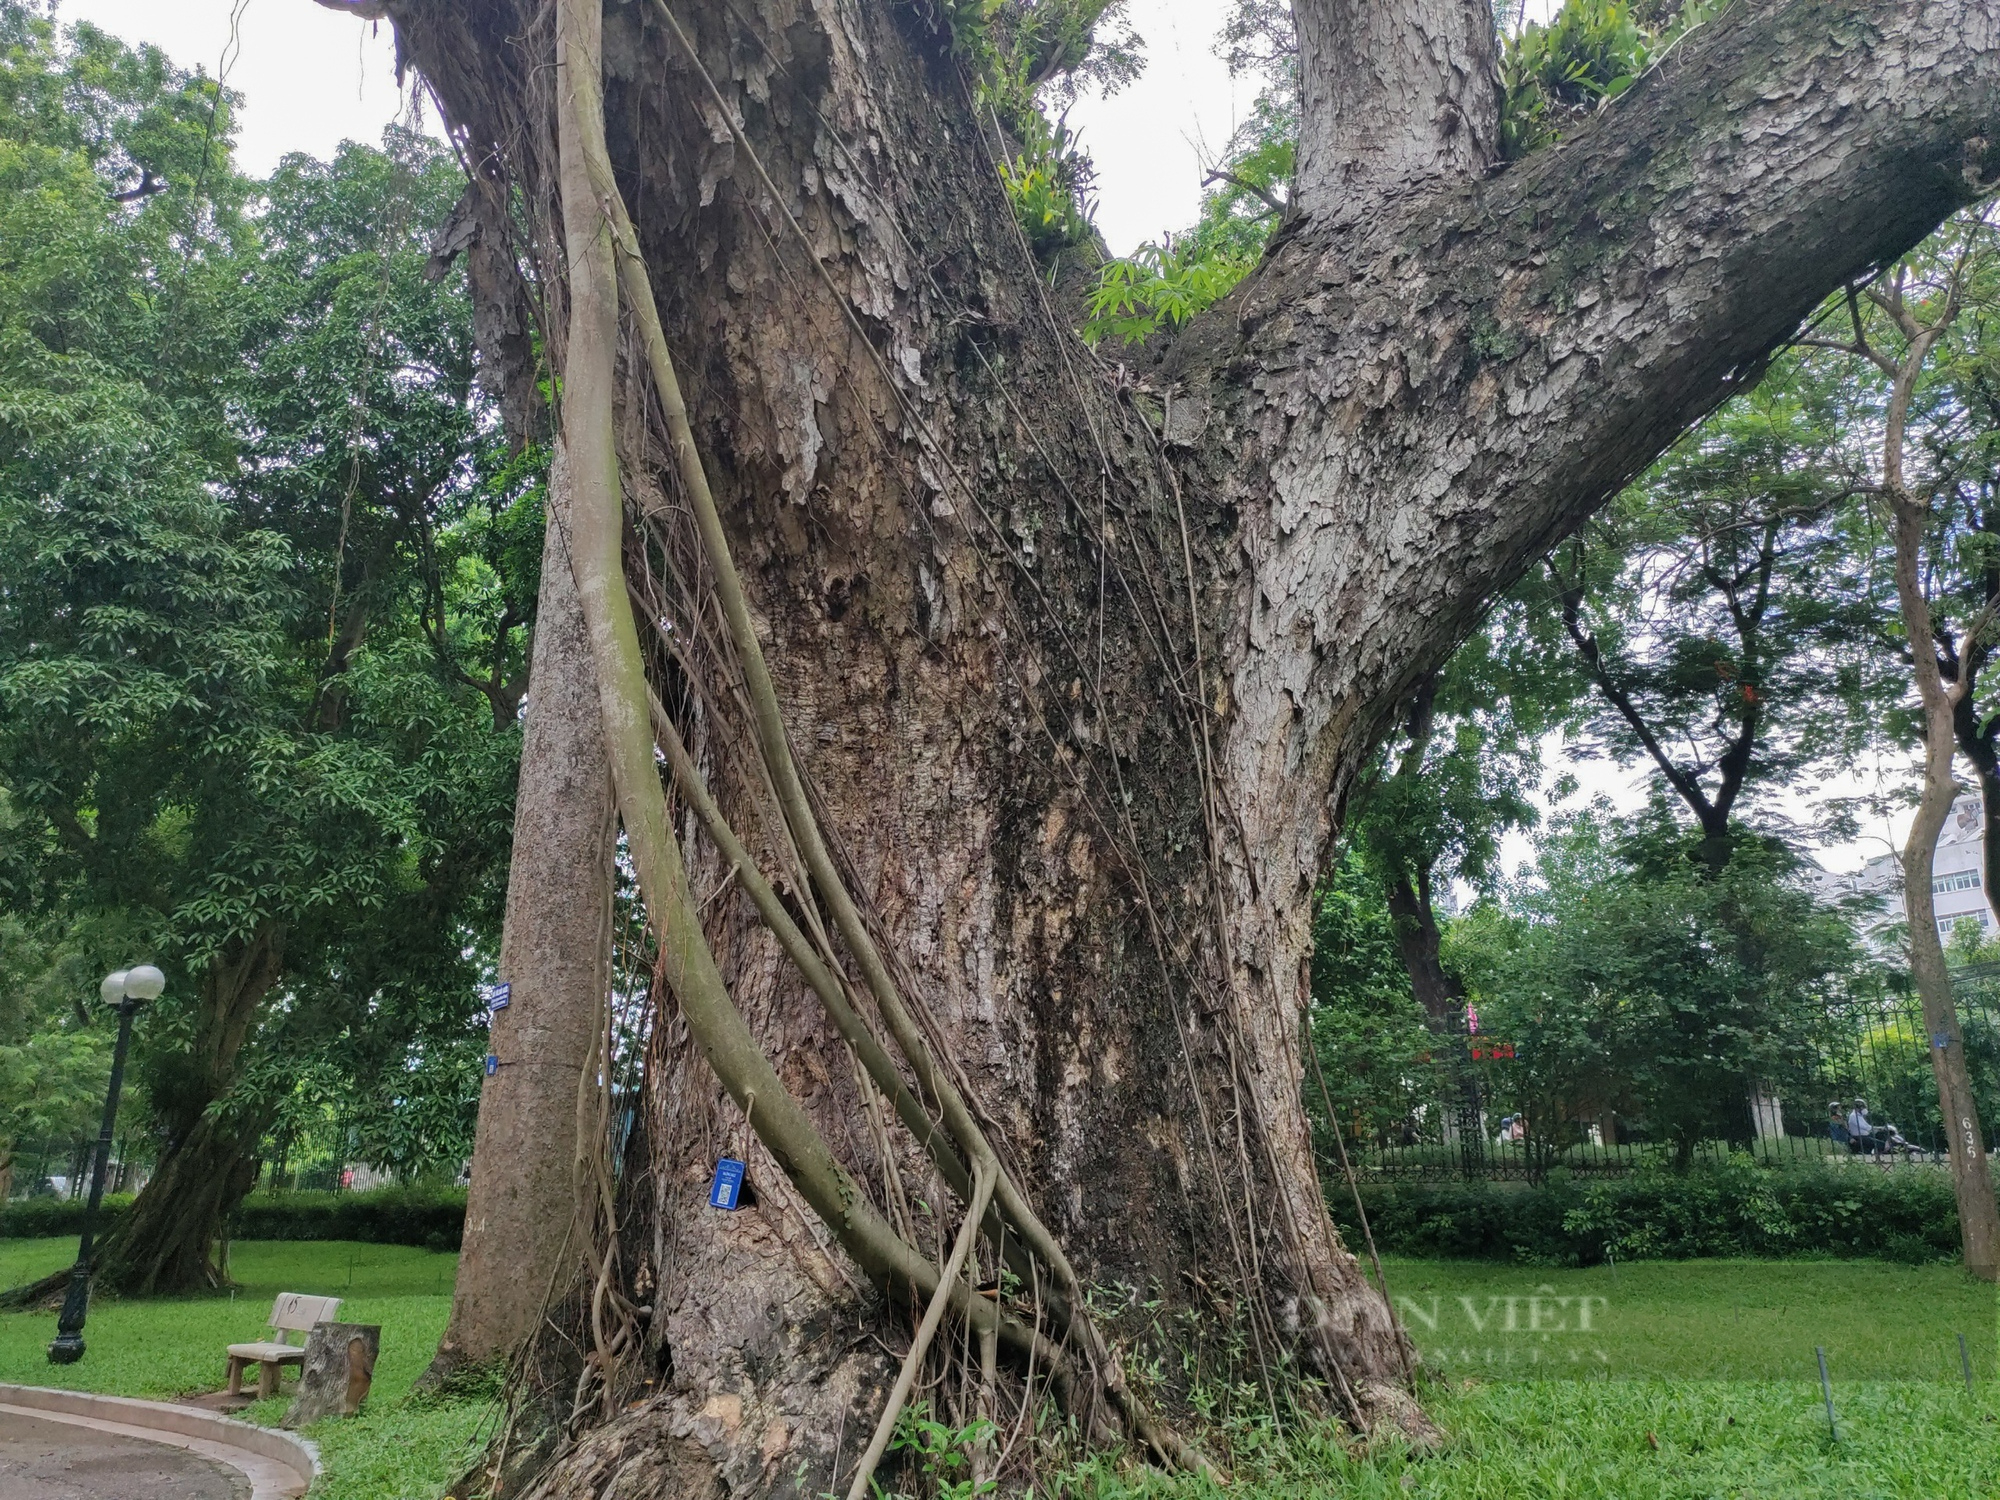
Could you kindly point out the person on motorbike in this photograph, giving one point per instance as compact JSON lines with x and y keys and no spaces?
{"x":1860,"y":1134}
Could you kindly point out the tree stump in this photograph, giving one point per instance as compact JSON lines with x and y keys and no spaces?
{"x":339,"y":1365}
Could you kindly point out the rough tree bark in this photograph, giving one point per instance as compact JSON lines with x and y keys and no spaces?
{"x":555,"y":951}
{"x":1081,"y":671}
{"x":1402,"y":96}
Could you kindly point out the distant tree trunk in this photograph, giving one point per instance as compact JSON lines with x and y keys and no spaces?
{"x":1406,"y":864}
{"x":1909,"y":514}
{"x":555,"y":952}
{"x":1972,"y":1179}
{"x":208,"y":1157}
{"x":1978,"y":734}
{"x":1414,"y":916}
{"x":1081,"y":666}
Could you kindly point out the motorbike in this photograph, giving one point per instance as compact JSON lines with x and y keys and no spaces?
{"x":1887,"y":1140}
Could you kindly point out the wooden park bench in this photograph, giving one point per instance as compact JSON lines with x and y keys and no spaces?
{"x":293,"y":1312}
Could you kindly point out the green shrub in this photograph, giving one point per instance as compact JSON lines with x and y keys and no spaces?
{"x":429,"y":1218}
{"x":1730,"y":1208}
{"x":34,"y":1218}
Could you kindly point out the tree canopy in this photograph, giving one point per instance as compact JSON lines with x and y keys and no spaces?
{"x":270,"y":565}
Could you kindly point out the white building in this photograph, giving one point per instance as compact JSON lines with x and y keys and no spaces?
{"x":1958,"y":876}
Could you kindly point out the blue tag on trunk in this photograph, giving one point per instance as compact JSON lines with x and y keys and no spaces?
{"x":499,"y":996}
{"x":728,"y":1184}
{"x":492,"y":1065}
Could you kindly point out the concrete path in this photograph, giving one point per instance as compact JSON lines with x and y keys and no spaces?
{"x":45,"y":1459}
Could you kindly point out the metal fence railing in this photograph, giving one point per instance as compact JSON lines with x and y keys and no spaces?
{"x":58,"y":1166}
{"x":1477,"y":1106}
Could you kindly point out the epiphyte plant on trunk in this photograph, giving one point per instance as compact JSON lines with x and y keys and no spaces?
{"x":1076,"y":672}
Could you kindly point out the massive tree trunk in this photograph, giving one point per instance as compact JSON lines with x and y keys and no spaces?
{"x":1080,"y":670}
{"x":519,"y":1253}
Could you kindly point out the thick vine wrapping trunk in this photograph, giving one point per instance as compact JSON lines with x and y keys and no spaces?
{"x":1080,"y":667}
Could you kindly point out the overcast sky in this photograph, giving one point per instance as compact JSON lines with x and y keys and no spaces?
{"x":312,"y":78}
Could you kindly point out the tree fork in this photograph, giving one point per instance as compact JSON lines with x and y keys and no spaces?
{"x":1395,"y":414}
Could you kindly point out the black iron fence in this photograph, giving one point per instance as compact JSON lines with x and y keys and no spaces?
{"x":1467,"y":1102}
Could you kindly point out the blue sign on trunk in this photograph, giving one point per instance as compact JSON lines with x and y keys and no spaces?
{"x":499,"y":996}
{"x":727,"y":1188}
{"x":492,"y":1065}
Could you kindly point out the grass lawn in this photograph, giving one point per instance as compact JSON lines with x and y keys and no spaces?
{"x":1638,"y":1439}
{"x":397,"y":1450}
{"x":1693,"y":1381}
{"x":1697,"y":1320}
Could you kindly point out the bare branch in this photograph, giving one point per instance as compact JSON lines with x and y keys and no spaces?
{"x":148,"y":185}
{"x":1262,"y":195}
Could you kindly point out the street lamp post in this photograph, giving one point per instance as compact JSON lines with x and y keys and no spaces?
{"x":126,"y":990}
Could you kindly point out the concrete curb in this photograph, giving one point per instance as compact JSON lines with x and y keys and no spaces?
{"x":278,"y":1465}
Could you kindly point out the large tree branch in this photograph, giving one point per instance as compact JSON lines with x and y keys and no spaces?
{"x":1392,"y":96}
{"x":1415,"y":405}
